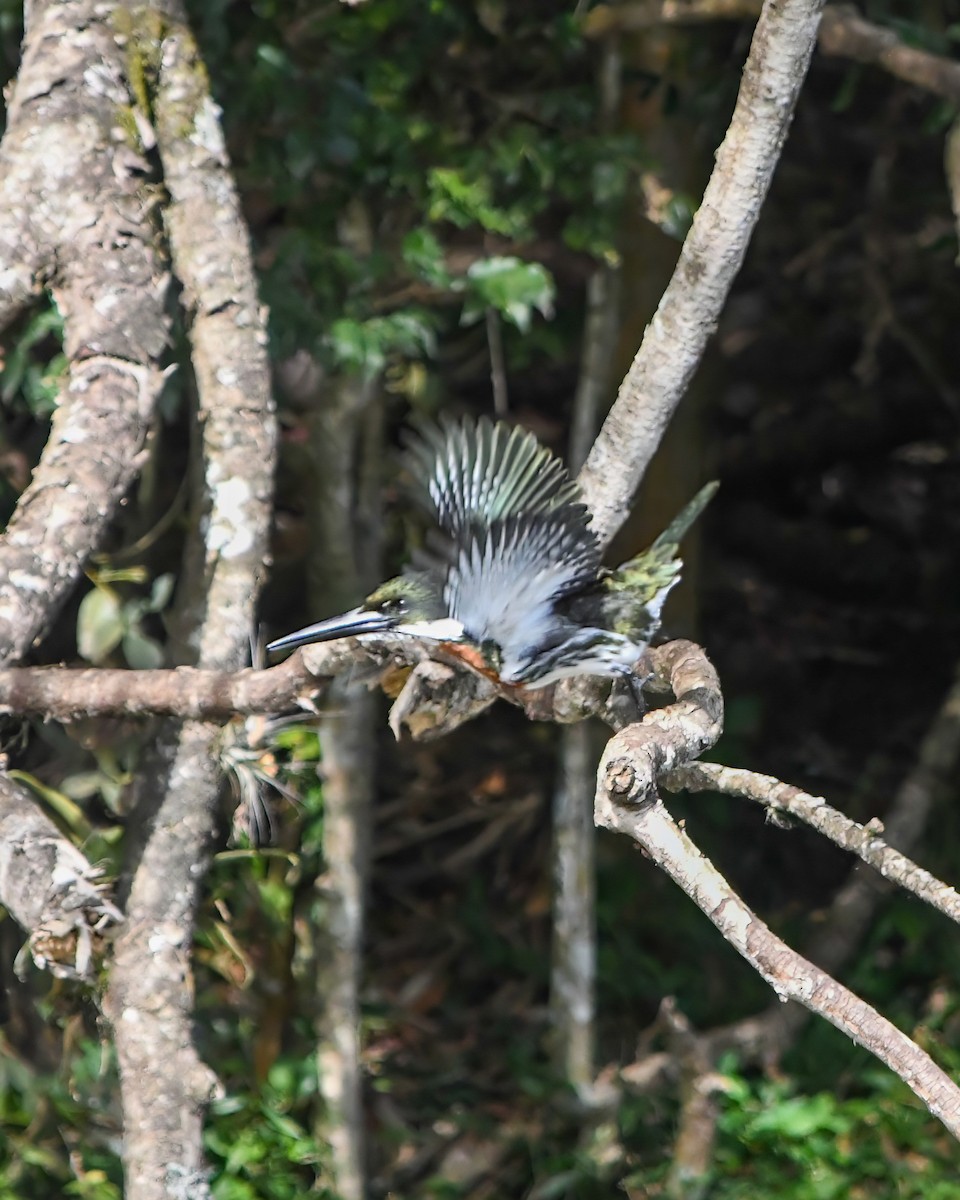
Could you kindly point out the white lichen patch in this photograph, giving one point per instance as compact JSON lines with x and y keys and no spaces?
{"x":230,"y":534}
{"x":207,"y":131}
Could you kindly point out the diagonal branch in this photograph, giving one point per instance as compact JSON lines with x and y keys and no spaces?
{"x":862,"y":840}
{"x":790,"y":975}
{"x":844,"y":33}
{"x":72,"y":188}
{"x":712,"y":253}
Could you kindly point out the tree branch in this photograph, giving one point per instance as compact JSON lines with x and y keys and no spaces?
{"x":844,"y":33}
{"x":49,"y":888}
{"x":862,"y":840}
{"x":74,"y":211}
{"x":766,"y":1035}
{"x":164,"y":1085}
{"x":709,"y":261}
{"x":188,"y":693}
{"x":627,"y":802}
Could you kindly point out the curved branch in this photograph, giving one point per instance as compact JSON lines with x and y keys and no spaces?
{"x":844,"y":33}
{"x":709,"y":261}
{"x":627,"y":802}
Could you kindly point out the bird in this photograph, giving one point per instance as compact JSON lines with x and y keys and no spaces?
{"x":518,"y":591}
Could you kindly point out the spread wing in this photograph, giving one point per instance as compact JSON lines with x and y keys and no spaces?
{"x":480,"y":472}
{"x":505,"y":578}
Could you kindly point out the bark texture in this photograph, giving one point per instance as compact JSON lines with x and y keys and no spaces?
{"x":76,"y":219}
{"x":50,"y":889}
{"x":709,"y":261}
{"x":164,"y":1085}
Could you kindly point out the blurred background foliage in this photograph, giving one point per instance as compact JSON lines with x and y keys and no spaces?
{"x":412,"y":171}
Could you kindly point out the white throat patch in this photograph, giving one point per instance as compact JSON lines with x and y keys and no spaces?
{"x":445,"y":629}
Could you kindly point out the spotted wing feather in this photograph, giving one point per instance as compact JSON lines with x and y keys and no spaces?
{"x":505,"y":579}
{"x":480,"y":472}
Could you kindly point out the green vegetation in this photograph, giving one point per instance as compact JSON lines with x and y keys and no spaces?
{"x":408,"y":168}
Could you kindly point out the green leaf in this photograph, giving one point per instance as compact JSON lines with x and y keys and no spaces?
{"x":423,"y":254}
{"x":71,"y":815}
{"x":142,"y":652}
{"x":366,"y":345}
{"x":798,"y":1118}
{"x":160,"y":593}
{"x":463,"y":202}
{"x":82,"y":785}
{"x":100,"y":624}
{"x":513,"y":287}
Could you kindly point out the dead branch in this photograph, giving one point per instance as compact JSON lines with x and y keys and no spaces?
{"x":862,"y":840}
{"x":675,"y":339}
{"x":844,"y":33}
{"x":627,"y":802}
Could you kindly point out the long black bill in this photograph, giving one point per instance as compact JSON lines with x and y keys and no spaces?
{"x":348,"y":624}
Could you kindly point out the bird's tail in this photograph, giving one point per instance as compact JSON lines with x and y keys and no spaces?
{"x":649,"y":576}
{"x":675,"y":532}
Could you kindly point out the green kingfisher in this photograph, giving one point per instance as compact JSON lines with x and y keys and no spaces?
{"x":517,"y":591}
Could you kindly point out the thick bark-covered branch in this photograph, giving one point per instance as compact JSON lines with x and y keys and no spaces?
{"x":76,"y":214}
{"x":210,"y":247}
{"x":164,"y":1085}
{"x":709,"y":261}
{"x":189,"y":693}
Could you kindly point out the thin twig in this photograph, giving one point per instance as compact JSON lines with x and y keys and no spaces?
{"x":862,"y":840}
{"x":498,"y":365}
{"x":790,"y":975}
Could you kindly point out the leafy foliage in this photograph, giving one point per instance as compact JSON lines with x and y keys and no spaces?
{"x":31,"y":372}
{"x":107,"y":620}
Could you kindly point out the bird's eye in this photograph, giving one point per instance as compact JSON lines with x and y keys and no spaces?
{"x":394,"y":607}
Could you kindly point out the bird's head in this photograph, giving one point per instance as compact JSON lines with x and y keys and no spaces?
{"x":410,"y":605}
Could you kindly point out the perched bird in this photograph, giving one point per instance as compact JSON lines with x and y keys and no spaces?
{"x":518,"y":592}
